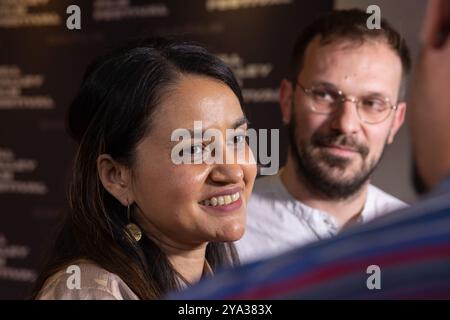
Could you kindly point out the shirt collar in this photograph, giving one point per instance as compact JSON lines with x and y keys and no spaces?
{"x":309,"y":212}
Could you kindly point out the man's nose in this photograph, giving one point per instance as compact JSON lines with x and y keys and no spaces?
{"x":346,"y":118}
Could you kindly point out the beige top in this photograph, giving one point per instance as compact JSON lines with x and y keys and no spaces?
{"x":85,"y":280}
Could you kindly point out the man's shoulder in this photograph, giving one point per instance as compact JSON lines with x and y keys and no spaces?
{"x":380,"y":202}
{"x":384,"y":196}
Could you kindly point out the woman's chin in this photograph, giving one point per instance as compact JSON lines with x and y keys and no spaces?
{"x":232,"y":232}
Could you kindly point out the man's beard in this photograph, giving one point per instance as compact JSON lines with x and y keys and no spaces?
{"x":318,"y":179}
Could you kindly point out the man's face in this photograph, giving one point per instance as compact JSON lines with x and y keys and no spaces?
{"x":336,"y":153}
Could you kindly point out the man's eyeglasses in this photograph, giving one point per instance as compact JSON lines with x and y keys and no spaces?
{"x":371,"y":109}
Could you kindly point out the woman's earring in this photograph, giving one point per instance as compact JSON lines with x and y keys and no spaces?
{"x":132,"y":228}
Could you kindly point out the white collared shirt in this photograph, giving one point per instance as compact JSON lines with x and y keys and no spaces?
{"x":277,"y":222}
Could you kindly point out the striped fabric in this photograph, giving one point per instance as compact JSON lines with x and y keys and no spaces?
{"x":411,"y":247}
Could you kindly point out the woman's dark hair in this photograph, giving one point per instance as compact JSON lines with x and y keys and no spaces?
{"x":111,"y":113}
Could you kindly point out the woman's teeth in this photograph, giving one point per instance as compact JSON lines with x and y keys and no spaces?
{"x":221,"y":200}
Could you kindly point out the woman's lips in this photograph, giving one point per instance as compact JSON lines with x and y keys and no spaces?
{"x":225,"y":200}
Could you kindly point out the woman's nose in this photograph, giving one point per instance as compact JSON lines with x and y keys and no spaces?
{"x":227,"y":173}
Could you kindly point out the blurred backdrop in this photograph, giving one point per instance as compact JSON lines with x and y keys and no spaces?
{"x":42,"y":63}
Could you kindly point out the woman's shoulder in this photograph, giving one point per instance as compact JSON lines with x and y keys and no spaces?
{"x":85,"y":280}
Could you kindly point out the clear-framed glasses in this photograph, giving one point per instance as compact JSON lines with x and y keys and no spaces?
{"x":371,"y":109}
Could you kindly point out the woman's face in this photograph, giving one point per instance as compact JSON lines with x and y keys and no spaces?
{"x":174,"y":202}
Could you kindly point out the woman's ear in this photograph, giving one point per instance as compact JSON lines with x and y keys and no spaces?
{"x":115,"y":178}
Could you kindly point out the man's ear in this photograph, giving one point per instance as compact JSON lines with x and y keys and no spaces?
{"x":286,"y":96}
{"x":115,"y":178}
{"x":399,"y":118}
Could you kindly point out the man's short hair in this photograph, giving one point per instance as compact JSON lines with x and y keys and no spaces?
{"x":351,"y":25}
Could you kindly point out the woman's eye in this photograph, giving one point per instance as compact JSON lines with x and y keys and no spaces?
{"x":239,"y":139}
{"x":193,"y":150}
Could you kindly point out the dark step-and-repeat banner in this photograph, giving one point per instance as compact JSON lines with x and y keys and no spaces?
{"x":41,"y":65}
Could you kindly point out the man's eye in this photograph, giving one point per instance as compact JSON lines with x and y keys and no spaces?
{"x":374,"y":104}
{"x":323,"y":94}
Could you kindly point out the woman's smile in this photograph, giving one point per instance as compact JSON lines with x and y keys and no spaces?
{"x":226,"y":200}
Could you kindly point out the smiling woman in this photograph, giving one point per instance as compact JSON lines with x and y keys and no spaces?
{"x":140,"y":225}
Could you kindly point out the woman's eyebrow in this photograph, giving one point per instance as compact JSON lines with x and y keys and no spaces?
{"x":236,"y":124}
{"x":239,"y":122}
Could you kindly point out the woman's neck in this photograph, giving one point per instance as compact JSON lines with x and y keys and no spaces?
{"x":187,"y":259}
{"x":189,"y":264}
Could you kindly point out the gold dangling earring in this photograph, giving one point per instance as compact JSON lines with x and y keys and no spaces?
{"x":132,"y":228}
